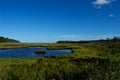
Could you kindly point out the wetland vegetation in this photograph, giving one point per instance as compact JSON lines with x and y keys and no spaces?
{"x":93,"y":60}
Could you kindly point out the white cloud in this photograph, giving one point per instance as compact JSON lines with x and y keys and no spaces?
{"x":111,"y":15}
{"x":98,"y":3}
{"x":101,"y":2}
{"x":98,"y":7}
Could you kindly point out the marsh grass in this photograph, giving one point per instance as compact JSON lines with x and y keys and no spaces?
{"x":87,"y":62}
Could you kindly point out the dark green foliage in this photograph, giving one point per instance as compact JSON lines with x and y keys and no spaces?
{"x":115,"y":39}
{"x":40,"y":52}
{"x":3,"y":39}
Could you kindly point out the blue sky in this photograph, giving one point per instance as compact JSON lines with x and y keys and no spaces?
{"x":53,"y":20}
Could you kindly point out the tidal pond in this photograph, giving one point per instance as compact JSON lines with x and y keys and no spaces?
{"x":30,"y":52}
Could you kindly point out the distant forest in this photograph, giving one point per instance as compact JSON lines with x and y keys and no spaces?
{"x":115,"y":39}
{"x":4,"y":40}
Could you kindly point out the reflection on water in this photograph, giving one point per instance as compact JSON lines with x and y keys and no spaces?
{"x":29,"y":52}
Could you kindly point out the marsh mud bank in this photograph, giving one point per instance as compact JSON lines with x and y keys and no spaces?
{"x":32,"y":52}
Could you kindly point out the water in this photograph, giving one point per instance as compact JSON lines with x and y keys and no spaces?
{"x":29,"y":52}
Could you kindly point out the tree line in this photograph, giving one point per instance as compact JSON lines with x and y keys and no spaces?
{"x":114,"y":39}
{"x":4,"y":39}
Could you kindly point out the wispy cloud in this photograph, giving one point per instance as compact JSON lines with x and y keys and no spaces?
{"x":99,"y":3}
{"x":78,"y":37}
{"x":111,"y":15}
{"x":72,"y":37}
{"x":86,"y":37}
{"x":69,"y":36}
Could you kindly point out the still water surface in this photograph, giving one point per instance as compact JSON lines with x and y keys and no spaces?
{"x":29,"y":52}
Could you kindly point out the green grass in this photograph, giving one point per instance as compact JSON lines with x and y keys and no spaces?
{"x":87,"y":62}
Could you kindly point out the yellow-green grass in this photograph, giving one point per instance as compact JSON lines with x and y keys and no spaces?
{"x":87,"y":62}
